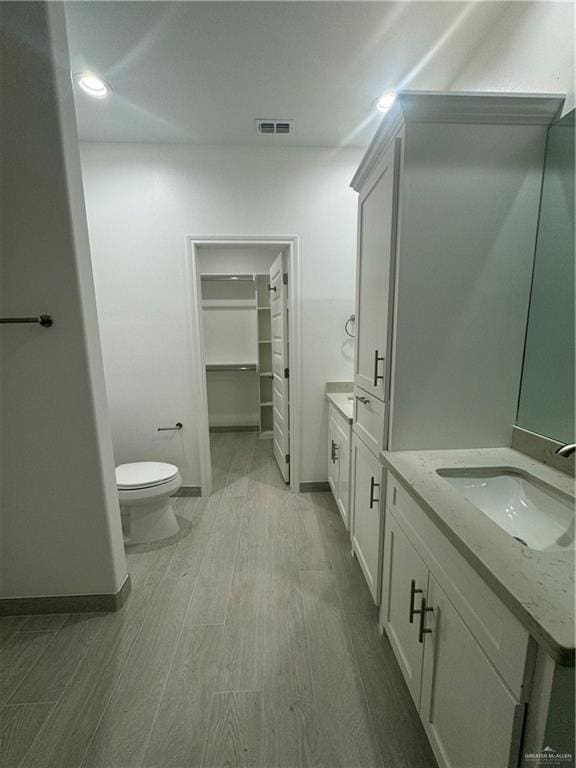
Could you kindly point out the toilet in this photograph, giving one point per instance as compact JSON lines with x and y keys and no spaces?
{"x":144,"y":488}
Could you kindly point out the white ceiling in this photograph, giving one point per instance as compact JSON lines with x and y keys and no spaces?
{"x":202,"y":72}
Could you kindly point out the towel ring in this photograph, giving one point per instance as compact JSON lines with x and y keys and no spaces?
{"x":351,"y":319}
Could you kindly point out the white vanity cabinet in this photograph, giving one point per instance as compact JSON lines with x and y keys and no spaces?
{"x":344,"y":456}
{"x":463,"y":655}
{"x":406,"y":584}
{"x":339,"y":451}
{"x":448,"y":197}
{"x":367,"y":522}
{"x":333,"y":463}
{"x":469,"y":714}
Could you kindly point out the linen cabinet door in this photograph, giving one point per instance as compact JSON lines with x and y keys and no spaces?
{"x":470,"y":716}
{"x":375,"y":255}
{"x":404,"y":584}
{"x":367,"y":523}
{"x":343,"y":487}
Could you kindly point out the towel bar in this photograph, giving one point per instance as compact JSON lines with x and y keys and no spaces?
{"x":44,"y":320}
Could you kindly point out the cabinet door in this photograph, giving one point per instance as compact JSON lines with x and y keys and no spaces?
{"x":404,"y":583}
{"x":471,"y":717}
{"x":343,"y":487}
{"x":376,"y":243}
{"x":367,"y":525}
{"x":333,"y":465}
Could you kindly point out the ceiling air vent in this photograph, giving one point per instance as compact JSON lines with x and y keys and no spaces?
{"x":275,"y":126}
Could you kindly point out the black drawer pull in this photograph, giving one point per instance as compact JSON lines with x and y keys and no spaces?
{"x":424,"y":609}
{"x":333,"y":454}
{"x":377,"y":375}
{"x":373,"y":485}
{"x":413,"y":593}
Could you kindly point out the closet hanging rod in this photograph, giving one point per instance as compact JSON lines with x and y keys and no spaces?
{"x":233,"y":278}
{"x":232,"y":367}
{"x":44,"y":320}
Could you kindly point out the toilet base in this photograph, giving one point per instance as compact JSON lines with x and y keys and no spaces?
{"x":147,"y":522}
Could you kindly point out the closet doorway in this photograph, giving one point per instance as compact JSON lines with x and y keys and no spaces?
{"x":244,"y":344}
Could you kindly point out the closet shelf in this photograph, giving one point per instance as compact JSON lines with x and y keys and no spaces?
{"x":231,"y":367}
{"x":267,"y":373}
{"x":228,"y":304}
{"x":266,"y":405}
{"x":226,"y":277}
{"x":264,"y":308}
{"x":264,"y":341}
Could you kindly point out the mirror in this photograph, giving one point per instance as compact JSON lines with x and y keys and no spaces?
{"x":546,"y":403}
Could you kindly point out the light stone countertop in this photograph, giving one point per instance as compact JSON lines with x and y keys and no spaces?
{"x":341,"y":401}
{"x":538,"y":587}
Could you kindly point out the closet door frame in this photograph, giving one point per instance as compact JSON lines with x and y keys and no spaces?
{"x":197,"y":363}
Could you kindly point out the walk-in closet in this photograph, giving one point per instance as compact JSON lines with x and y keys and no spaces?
{"x":236,"y":319}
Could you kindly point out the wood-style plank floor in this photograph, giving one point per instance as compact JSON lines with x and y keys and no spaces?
{"x":249,"y":641}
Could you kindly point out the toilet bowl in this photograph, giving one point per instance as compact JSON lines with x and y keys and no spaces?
{"x":144,"y":489}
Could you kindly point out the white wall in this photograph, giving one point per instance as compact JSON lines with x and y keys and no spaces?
{"x":529,"y":49}
{"x":61,"y":532}
{"x":142,"y":200}
{"x":253,"y":259}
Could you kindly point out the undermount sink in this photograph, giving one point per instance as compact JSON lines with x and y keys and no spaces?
{"x":534,"y":513}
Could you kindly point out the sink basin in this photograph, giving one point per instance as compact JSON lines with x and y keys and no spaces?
{"x":535,"y":514}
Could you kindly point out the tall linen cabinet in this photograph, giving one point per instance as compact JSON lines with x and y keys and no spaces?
{"x":448,"y":206}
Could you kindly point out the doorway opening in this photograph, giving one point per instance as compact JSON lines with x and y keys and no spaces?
{"x":245,"y":344}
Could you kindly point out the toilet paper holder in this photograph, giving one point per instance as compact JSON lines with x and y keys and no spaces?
{"x":178,"y":425}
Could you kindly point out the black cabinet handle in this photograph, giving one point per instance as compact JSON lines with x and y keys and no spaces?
{"x":424,"y":609}
{"x":373,"y":485}
{"x":413,"y":593}
{"x":377,"y":375}
{"x":333,"y":456}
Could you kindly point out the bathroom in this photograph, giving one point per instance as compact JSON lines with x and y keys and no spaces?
{"x":367,"y":602}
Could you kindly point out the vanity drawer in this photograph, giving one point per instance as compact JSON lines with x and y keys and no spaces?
{"x":502,"y":637}
{"x":369,"y":420}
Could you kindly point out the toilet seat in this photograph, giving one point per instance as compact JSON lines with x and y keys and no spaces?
{"x":140,"y":475}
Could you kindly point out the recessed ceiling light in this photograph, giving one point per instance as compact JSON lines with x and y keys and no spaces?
{"x":385,"y":101}
{"x":93,"y":85}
